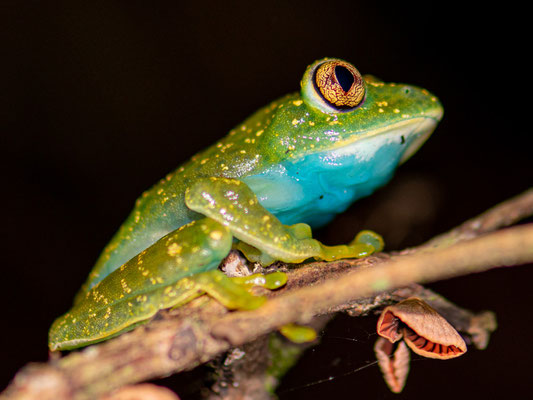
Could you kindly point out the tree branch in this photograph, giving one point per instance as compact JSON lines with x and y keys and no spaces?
{"x":191,"y":335}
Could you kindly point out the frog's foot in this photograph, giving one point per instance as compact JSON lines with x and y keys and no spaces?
{"x":364,"y":244}
{"x":232,"y":293}
{"x":265,"y":239}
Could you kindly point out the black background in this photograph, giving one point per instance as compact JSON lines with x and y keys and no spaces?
{"x":101,"y":100}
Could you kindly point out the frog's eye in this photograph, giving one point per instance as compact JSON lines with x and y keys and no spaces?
{"x":334,"y":85}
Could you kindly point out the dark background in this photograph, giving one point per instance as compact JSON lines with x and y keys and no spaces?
{"x":102,"y":100}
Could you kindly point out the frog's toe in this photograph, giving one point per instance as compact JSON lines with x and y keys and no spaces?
{"x":370,"y":238}
{"x":271,"y":281}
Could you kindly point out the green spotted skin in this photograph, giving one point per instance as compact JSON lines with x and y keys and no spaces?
{"x":286,"y":131}
{"x":293,"y":164}
{"x":135,"y":292}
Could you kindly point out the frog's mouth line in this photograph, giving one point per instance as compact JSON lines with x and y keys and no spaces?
{"x":412,"y":133}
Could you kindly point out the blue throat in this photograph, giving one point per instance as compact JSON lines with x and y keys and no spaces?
{"x":317,"y":187}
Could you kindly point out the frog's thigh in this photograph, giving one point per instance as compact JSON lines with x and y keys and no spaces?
{"x":233,"y":204}
{"x":161,"y":276}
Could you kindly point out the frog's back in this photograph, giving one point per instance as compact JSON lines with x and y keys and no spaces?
{"x":162,"y":209}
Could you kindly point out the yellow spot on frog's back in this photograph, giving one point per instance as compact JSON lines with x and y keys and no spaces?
{"x":259,"y":133}
{"x":215,"y":235}
{"x":125,"y":286}
{"x":297,"y":103}
{"x":382,"y":103}
{"x":174,"y":249}
{"x":396,"y":111}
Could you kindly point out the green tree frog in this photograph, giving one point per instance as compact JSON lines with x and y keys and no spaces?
{"x":290,"y":166}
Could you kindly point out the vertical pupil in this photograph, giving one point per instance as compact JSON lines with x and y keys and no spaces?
{"x":344,"y":77}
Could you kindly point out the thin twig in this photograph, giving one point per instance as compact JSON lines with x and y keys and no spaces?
{"x":204,"y":329}
{"x":512,"y":246}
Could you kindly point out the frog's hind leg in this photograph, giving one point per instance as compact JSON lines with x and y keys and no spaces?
{"x":234,"y":205}
{"x":226,"y":291}
{"x":177,"y":268}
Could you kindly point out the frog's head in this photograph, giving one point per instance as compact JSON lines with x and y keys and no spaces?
{"x":340,"y":113}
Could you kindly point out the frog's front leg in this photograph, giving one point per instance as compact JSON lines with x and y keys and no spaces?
{"x":233,"y":204}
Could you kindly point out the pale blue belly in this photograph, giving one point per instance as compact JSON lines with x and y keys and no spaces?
{"x":319,"y":186}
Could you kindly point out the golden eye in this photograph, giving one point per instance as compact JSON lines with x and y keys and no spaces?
{"x":340,"y":84}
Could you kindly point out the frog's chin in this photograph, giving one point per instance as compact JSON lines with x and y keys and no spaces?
{"x":407,"y":136}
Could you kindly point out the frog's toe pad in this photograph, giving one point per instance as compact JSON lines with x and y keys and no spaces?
{"x":371,"y":238}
